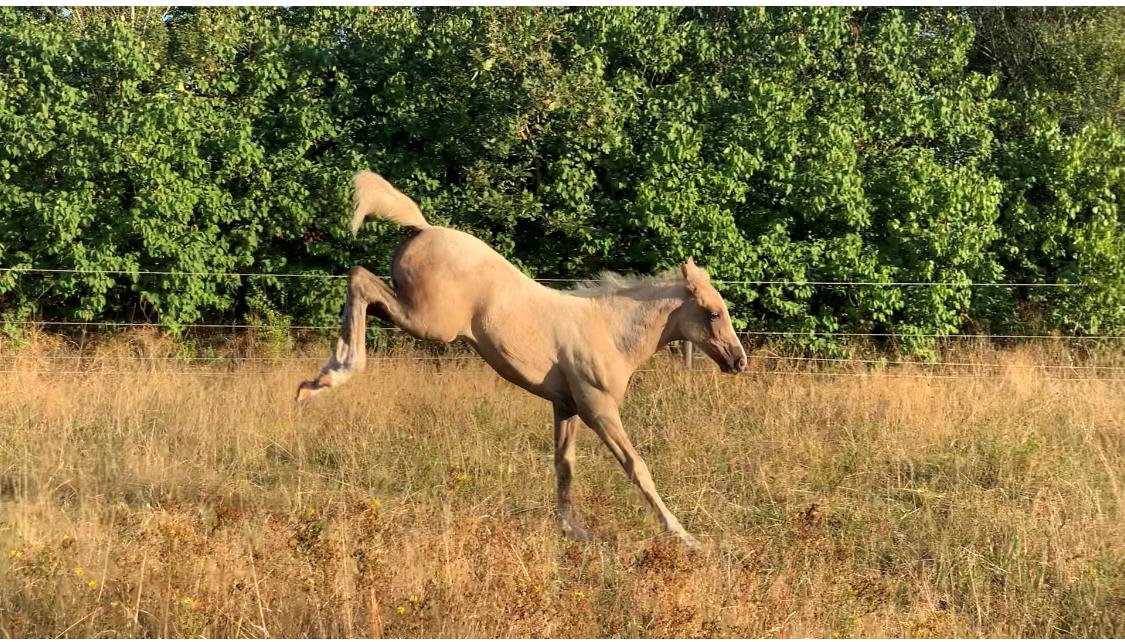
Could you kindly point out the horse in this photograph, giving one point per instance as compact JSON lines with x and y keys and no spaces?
{"x":575,"y":348}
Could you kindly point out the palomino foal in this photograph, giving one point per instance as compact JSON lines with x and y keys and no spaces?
{"x":576,"y":349}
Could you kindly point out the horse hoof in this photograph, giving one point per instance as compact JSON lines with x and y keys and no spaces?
{"x":307,"y":390}
{"x":577,"y":534}
{"x":690,"y":543}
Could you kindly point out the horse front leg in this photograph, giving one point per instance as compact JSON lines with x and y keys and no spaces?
{"x":600,"y":412}
{"x":567,"y":424}
{"x":350,"y":356}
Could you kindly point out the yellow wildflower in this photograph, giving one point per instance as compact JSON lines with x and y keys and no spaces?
{"x":375,"y":505}
{"x":91,"y":583}
{"x":580,"y":595}
{"x":538,"y":589}
{"x":188,"y":603}
{"x":413,"y":599}
{"x":400,"y":609}
{"x":14,"y":554}
{"x":78,"y":571}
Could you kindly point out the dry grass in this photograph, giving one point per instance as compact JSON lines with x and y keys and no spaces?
{"x":136,"y":500}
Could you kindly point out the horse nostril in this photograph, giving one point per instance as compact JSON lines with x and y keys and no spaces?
{"x":741,"y":364}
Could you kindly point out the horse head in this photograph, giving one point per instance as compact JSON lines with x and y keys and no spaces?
{"x":705,"y":321}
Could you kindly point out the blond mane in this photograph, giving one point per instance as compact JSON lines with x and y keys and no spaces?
{"x":612,"y":283}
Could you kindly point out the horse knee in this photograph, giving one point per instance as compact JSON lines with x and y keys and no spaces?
{"x":358,"y":277}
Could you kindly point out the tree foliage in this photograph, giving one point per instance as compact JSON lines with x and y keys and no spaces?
{"x":821,"y":144}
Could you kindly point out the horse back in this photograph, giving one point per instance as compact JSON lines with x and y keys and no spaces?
{"x":451,"y":277}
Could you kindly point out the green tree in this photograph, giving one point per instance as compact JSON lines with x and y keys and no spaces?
{"x":818,"y":144}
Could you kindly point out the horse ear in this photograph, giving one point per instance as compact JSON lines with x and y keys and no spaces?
{"x":688,"y":269}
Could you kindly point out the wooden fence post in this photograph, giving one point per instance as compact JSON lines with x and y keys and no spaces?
{"x":688,"y":348}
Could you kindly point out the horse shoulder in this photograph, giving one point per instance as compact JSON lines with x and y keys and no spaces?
{"x":594,"y":365}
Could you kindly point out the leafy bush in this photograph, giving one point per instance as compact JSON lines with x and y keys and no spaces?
{"x":820,"y":144}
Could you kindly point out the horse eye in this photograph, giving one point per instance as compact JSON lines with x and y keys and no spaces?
{"x":715,"y":316}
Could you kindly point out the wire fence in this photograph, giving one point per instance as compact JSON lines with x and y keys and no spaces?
{"x":744,"y":333}
{"x":307,"y":372}
{"x":109,"y":364}
{"x":215,"y":360}
{"x":868,"y":367}
{"x":317,"y":275}
{"x":97,"y":362}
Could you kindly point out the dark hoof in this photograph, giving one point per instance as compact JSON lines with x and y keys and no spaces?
{"x":574,"y":532}
{"x":578,"y":535}
{"x":309,"y":389}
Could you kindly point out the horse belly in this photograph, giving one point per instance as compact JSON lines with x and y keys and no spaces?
{"x":535,"y":372}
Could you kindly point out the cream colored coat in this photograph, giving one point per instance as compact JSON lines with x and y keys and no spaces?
{"x":576,"y":349}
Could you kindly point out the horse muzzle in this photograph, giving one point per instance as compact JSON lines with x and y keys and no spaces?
{"x":732,"y":362}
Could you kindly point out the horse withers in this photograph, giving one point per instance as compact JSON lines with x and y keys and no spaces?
{"x":575,"y":348}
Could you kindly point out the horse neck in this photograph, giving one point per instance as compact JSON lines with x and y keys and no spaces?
{"x":642,"y":325}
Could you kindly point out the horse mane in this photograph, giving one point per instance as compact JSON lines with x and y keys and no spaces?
{"x":612,"y":283}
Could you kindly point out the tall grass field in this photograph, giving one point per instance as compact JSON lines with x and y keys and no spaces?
{"x":147,"y":494}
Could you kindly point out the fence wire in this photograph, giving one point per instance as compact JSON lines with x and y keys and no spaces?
{"x":875,"y":374}
{"x":870,"y":368}
{"x":98,"y":364}
{"x":744,"y":333}
{"x":317,"y":275}
{"x":98,"y":358}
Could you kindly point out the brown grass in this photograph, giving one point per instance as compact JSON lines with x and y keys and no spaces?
{"x":161,"y":498}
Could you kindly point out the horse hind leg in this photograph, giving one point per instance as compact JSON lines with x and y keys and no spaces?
{"x":365,"y":290}
{"x":567,"y":424}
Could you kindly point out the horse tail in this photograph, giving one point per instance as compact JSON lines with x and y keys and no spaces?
{"x":372,"y":194}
